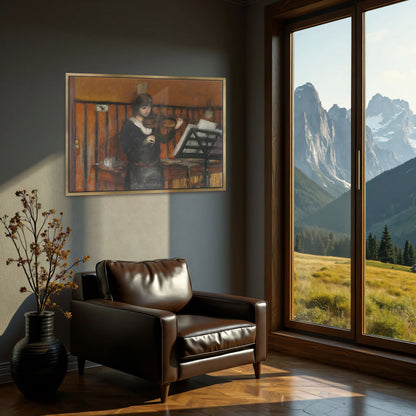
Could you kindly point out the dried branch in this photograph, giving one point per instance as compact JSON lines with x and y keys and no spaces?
{"x":40,"y":243}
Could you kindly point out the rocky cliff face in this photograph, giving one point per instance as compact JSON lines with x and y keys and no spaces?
{"x":341,"y":121}
{"x":323,"y":139}
{"x":315,"y":153}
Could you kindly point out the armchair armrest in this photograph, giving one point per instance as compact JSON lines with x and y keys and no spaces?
{"x":88,"y":286}
{"x":224,"y":306}
{"x":134,"y":339}
{"x":233,"y":307}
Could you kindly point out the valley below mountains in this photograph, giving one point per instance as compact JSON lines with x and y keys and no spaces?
{"x":390,"y":199}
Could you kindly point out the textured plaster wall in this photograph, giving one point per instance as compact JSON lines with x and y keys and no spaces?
{"x":87,"y":218}
{"x":40,"y":42}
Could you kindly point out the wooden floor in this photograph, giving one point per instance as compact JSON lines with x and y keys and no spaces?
{"x":289,"y":386}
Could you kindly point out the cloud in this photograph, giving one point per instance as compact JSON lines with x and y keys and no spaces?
{"x":406,"y":51}
{"x":394,"y":75}
{"x":377,"y":36}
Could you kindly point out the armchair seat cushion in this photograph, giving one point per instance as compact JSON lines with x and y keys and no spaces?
{"x":203,"y":336}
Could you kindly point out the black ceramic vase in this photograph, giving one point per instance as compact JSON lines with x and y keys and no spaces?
{"x":39,"y":360}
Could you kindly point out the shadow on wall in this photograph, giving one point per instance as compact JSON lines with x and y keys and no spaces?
{"x":15,"y":330}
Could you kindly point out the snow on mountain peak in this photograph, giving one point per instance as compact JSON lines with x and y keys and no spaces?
{"x":374,"y":122}
{"x":393,"y":126}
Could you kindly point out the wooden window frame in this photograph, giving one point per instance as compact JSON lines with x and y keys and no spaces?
{"x":288,"y":167}
{"x":357,"y":350}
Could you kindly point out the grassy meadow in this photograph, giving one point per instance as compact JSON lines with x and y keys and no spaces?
{"x":322,"y":295}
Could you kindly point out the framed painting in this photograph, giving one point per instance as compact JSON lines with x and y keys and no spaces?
{"x":134,"y":134}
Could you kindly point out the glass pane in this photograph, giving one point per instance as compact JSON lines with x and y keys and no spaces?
{"x":322,"y":177}
{"x":390,"y":279}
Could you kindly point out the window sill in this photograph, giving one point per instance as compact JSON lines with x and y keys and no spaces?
{"x":350,"y":356}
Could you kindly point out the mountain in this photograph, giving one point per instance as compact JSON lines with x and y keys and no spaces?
{"x":393,"y":125}
{"x":309,"y":196}
{"x":341,"y":121}
{"x":323,"y":143}
{"x":314,"y":134}
{"x":390,"y":199}
{"x":322,"y":152}
{"x":377,"y":159}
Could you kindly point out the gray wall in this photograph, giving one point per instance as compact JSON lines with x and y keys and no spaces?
{"x":255,"y":148}
{"x":42,"y":40}
{"x":254,"y":162}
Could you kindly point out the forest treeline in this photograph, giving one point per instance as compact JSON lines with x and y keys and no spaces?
{"x":387,"y":252}
{"x":314,"y":240}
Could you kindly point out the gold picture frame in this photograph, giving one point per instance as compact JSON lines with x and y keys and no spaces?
{"x":141,"y":134}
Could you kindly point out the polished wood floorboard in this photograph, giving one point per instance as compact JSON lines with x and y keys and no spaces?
{"x":289,"y":386}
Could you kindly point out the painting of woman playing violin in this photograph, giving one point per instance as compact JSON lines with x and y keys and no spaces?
{"x":144,"y":134}
{"x":142,"y":147}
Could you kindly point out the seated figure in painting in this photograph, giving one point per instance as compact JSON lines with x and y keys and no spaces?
{"x":141,"y":145}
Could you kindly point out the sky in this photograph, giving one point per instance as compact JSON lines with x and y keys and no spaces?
{"x":322,"y":56}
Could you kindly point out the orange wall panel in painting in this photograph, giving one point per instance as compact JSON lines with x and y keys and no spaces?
{"x":78,"y":145}
{"x":91,"y":145}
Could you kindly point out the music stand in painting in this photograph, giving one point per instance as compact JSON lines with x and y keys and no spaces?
{"x":201,"y":143}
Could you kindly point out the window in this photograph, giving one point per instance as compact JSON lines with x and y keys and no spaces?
{"x":322,"y":174}
{"x":343,"y":202}
{"x":390,"y":85}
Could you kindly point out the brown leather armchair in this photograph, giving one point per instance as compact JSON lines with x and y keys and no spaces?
{"x":143,"y":318}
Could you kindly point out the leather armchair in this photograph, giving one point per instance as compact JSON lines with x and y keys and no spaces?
{"x":144,"y":318}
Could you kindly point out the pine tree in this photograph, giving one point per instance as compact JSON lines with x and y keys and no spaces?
{"x":406,"y":260}
{"x":412,"y":255}
{"x":331,"y":244}
{"x":299,"y":244}
{"x":367,"y":247}
{"x":401,"y":256}
{"x":376,"y":248}
{"x":371,"y":248}
{"x":385,"y":251}
{"x":398,"y":254}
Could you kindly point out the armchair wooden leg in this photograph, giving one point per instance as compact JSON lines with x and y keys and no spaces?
{"x":81,"y":366}
{"x":164,"y":392}
{"x":257,"y":369}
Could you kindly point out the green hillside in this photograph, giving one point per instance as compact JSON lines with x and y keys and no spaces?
{"x":309,"y":196}
{"x":334,"y":216}
{"x":391,"y":193}
{"x":391,"y":200}
{"x":402,"y":227}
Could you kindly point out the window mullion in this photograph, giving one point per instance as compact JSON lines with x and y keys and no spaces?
{"x":358,"y":166}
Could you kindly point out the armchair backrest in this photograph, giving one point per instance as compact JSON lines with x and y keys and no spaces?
{"x":161,"y":284}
